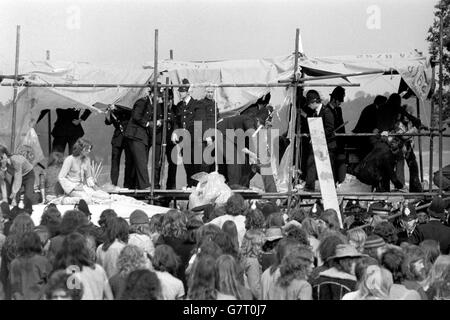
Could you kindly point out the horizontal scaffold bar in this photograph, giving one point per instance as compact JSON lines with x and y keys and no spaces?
{"x":127,"y":85}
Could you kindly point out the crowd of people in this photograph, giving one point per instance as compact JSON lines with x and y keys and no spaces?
{"x":240,"y":251}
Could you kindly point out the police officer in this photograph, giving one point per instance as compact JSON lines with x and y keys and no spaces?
{"x":206,"y":112}
{"x":184,"y":112}
{"x":137,"y":140}
{"x":119,"y":116}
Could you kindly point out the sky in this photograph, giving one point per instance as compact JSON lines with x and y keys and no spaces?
{"x":122,"y":32}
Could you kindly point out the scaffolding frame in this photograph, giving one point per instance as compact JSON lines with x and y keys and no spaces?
{"x":296,"y":82}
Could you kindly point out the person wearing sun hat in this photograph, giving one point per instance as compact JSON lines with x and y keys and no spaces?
{"x":140,"y":232}
{"x":434,"y":229}
{"x":334,"y":283}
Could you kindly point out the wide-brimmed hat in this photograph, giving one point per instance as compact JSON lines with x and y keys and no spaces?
{"x":139,"y":217}
{"x":437,"y":208}
{"x":346,"y":251}
{"x":273,"y":234}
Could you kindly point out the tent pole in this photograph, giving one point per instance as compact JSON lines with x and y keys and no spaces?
{"x":49,"y":118}
{"x":164,"y":133}
{"x":441,"y":77}
{"x":171,"y":54}
{"x":155,"y":116}
{"x":419,"y":142}
{"x":430,"y":172}
{"x":293,"y":121}
{"x":14,"y":105}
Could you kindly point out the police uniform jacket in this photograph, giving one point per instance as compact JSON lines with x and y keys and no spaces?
{"x":137,"y":126}
{"x":123,"y":116}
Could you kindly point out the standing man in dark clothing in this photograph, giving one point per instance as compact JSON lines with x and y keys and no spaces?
{"x":67,"y":128}
{"x":313,"y":101}
{"x":377,"y":169}
{"x":235,"y":162}
{"x":206,"y":112}
{"x":119,"y":116}
{"x":434,"y":229}
{"x":184,"y":113}
{"x":340,"y":167}
{"x":137,"y":139}
{"x":367,"y":123}
{"x":170,"y":146}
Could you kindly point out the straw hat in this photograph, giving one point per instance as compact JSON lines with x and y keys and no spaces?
{"x":346,"y":251}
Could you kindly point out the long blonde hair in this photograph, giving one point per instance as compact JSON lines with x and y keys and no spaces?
{"x":375,"y":284}
{"x":437,"y":271}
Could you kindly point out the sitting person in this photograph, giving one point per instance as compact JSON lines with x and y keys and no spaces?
{"x":76,"y":175}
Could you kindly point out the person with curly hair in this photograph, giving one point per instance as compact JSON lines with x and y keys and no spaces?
{"x":166,"y":263}
{"x":235,"y":209}
{"x":328,"y":220}
{"x":293,"y":231}
{"x":250,"y":251}
{"x":174,"y":234}
{"x":49,"y":226}
{"x":438,"y":280}
{"x":327,"y":249}
{"x":254,"y":219}
{"x":155,"y":226}
{"x":116,"y":239}
{"x":376,"y":284}
{"x":22,"y":224}
{"x":432,"y":251}
{"x":414,"y":268}
{"x":77,"y":176}
{"x":71,"y":221}
{"x":142,"y":285}
{"x":29,"y":270}
{"x":393,"y":259}
{"x":360,"y":272}
{"x":74,"y":257}
{"x":57,"y":288}
{"x":130,"y":258}
{"x":294,"y":271}
{"x":387,"y":231}
{"x":202,"y":283}
{"x":227,"y":278}
{"x":270,"y":276}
